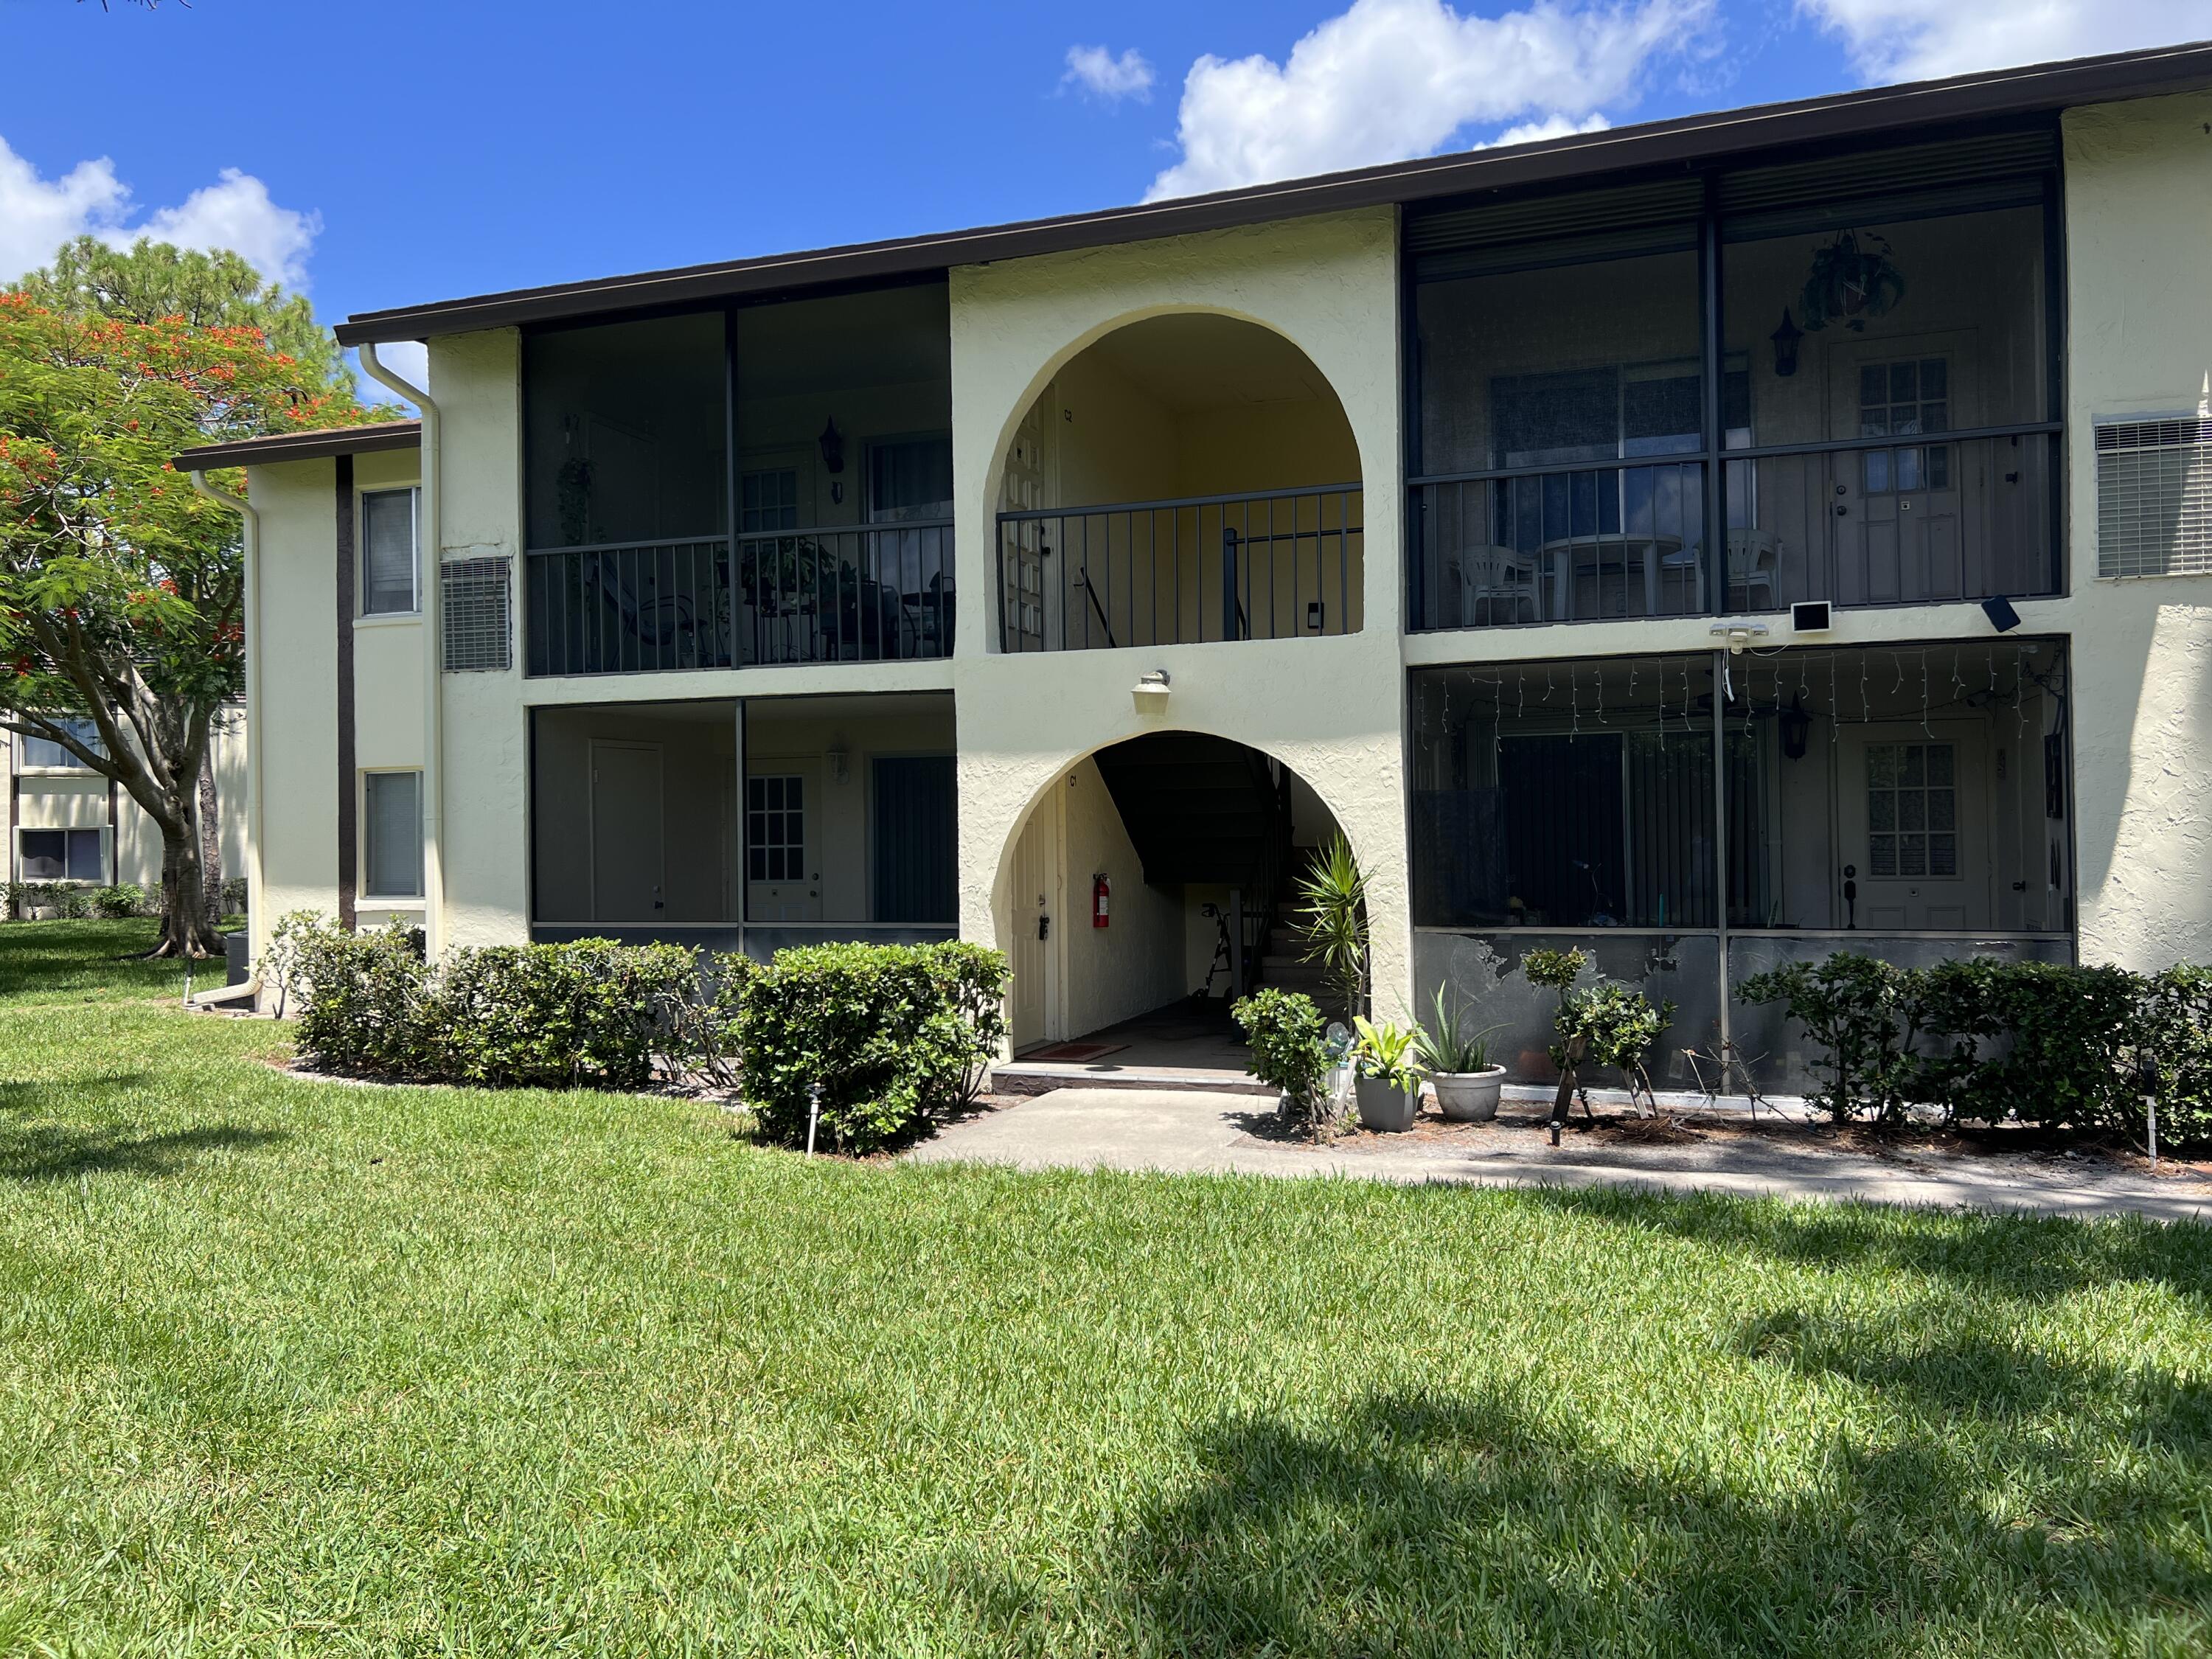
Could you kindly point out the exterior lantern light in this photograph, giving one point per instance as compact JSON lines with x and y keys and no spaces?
{"x":833,"y":446}
{"x":1796,"y":728}
{"x":1785,"y":340}
{"x":1151,"y":692}
{"x":841,"y":760}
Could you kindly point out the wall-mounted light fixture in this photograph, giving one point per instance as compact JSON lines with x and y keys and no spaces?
{"x":1785,"y":340}
{"x":1796,"y":728}
{"x":841,"y":760}
{"x":833,"y":448}
{"x":1151,"y":692}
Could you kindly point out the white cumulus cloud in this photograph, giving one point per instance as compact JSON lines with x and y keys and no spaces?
{"x":1389,"y":79}
{"x":1925,"y":39}
{"x":38,"y":215}
{"x":1100,"y":73}
{"x":236,"y":213}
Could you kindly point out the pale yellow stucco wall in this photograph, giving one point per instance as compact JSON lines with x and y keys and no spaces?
{"x":298,"y":713}
{"x":1329,"y":707}
{"x":2139,"y":320}
{"x":485,"y":829}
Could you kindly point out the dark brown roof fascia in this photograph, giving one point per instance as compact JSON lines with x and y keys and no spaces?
{"x":1683,"y":141}
{"x":315,"y":446}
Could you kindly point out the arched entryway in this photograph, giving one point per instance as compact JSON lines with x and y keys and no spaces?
{"x":1185,"y":478}
{"x":1192,"y":842}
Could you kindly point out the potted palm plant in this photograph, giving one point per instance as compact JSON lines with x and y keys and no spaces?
{"x":1332,"y":925}
{"x":1458,"y":1063}
{"x":1387,"y":1086}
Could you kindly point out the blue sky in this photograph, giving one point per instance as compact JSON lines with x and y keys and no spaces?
{"x":391,"y":151}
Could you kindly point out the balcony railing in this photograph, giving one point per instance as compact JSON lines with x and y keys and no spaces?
{"x":858,"y":594}
{"x":1937,"y":517}
{"x":1276,"y":564}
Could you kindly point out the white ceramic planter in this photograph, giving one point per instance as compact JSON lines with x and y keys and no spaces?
{"x":1385,"y":1108}
{"x":1468,"y":1096}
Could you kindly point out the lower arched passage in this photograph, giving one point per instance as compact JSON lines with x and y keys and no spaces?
{"x":1147,"y":884}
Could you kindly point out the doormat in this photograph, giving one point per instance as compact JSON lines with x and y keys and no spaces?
{"x":1074,"y":1051}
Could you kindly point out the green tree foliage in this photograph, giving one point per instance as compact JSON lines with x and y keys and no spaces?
{"x":151,"y":281}
{"x":121,"y":589}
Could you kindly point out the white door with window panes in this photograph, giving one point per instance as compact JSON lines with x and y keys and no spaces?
{"x":783,"y":859}
{"x":1895,"y":511}
{"x":1032,"y":482}
{"x":773,"y":596}
{"x":1915,"y":826}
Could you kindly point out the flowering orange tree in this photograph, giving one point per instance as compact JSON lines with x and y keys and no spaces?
{"x":121,"y":592}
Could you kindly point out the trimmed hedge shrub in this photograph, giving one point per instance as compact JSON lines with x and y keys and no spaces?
{"x":1997,"y":1042}
{"x":363,"y":998}
{"x":588,"y":1015}
{"x":896,"y":1035}
{"x":1290,"y":1051}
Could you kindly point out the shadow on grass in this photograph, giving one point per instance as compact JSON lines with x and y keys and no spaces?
{"x":1420,"y":1526}
{"x":2035,"y":1259}
{"x":50,"y":1151}
{"x":53,"y":1152}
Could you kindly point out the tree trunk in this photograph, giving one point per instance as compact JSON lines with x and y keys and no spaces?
{"x":186,"y":930}
{"x":210,"y":823}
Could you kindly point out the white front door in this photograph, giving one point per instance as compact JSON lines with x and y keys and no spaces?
{"x":1915,"y":825}
{"x":1034,"y":951}
{"x":783,"y":840}
{"x":1900,"y":534}
{"x":629,"y":869}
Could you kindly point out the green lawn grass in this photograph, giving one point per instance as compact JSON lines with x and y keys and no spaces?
{"x":312,"y":1367}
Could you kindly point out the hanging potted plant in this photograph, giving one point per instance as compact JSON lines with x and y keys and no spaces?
{"x":1853,"y":278}
{"x":1387,"y":1086}
{"x":1458,"y":1063}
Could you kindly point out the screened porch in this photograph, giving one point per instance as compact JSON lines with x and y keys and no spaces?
{"x":1691,"y":820}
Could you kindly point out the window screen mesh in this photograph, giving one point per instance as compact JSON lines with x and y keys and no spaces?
{"x":474,"y":613}
{"x":2155,"y":497}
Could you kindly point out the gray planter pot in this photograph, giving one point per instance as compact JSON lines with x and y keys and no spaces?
{"x":1384,"y":1108}
{"x":1468,"y":1096}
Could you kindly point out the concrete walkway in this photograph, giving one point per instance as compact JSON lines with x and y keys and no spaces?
{"x":1186,"y":1132}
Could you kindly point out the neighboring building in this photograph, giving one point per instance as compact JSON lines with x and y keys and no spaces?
{"x":67,"y":822}
{"x":940,"y":586}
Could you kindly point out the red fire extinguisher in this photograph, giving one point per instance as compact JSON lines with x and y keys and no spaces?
{"x":1100,"y":890}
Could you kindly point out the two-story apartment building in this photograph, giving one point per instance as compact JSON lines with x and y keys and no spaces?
{"x":1711,"y":543}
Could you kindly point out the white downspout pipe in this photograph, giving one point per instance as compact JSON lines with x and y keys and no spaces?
{"x":250,"y":581}
{"x":433,"y":690}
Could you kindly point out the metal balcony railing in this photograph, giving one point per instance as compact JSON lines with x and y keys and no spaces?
{"x":1916,"y":519}
{"x":853,"y":593}
{"x":1273,"y":564}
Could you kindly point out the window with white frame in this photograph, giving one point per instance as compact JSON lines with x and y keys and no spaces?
{"x":45,"y":754}
{"x":60,"y":855}
{"x":767,"y":500}
{"x":391,"y":835}
{"x":776,"y":827}
{"x":390,"y":568}
{"x":1912,"y":808}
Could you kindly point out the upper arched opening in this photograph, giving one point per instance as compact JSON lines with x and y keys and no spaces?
{"x":1184,"y":478}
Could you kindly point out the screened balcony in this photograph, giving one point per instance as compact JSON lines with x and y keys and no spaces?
{"x":772,"y":484}
{"x":1187,"y":479}
{"x":1873,"y":422}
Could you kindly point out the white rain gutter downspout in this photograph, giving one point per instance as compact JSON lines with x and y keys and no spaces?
{"x":433,"y":690}
{"x":251,"y":583}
